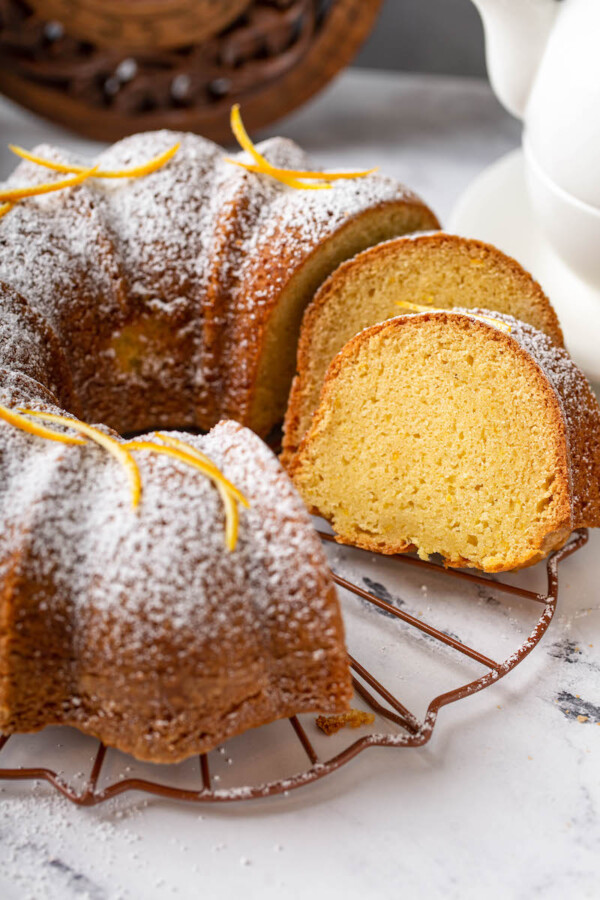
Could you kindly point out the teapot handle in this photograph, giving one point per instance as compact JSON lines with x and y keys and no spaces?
{"x":516,"y":34}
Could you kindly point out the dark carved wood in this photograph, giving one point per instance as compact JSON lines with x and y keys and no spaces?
{"x":270,"y":59}
{"x":139,"y":24}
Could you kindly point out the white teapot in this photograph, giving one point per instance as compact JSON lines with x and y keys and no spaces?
{"x":543,"y":59}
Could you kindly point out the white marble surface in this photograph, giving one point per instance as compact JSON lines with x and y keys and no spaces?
{"x":504,"y":801}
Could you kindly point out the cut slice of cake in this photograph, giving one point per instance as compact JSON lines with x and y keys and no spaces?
{"x":438,"y":270}
{"x":473,"y":437}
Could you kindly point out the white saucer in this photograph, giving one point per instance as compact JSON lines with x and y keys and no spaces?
{"x":495,"y":208}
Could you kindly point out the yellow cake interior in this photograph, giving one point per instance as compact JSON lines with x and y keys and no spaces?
{"x":439,"y":438}
{"x":278,"y":362}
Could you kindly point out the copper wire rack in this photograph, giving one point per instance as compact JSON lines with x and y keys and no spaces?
{"x":411,"y":731}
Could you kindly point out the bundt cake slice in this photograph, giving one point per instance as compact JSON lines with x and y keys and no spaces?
{"x":139,"y":627}
{"x":439,"y":270}
{"x":177,"y":297}
{"x":472,"y":436}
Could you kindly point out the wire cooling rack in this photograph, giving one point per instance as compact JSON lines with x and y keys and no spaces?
{"x":406,"y":729}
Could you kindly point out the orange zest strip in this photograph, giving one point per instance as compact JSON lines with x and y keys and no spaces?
{"x":243,"y":138}
{"x":299,"y":173}
{"x":221,"y":483}
{"x":145,"y":169}
{"x":4,"y":208}
{"x":197,"y":454}
{"x":264,"y":166}
{"x":503,"y":326}
{"x":287,"y":176}
{"x":416,"y":307}
{"x":245,"y":142}
{"x":13,"y":418}
{"x":232,"y":520}
{"x":228,"y":496}
{"x":119,"y":451}
{"x":285,"y":179}
{"x":328,"y":176}
{"x":13,"y":194}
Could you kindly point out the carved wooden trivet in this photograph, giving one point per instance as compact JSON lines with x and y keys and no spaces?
{"x":105,"y":68}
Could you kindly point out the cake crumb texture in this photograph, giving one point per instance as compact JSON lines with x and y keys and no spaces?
{"x":442,"y":433}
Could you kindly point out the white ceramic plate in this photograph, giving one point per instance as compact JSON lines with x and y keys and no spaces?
{"x":496,"y":208}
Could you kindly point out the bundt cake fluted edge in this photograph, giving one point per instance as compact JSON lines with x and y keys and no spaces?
{"x":141,"y":629}
{"x":177,"y":297}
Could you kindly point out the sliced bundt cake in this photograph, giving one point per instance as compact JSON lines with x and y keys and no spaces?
{"x":473,"y":437}
{"x":177,"y":297}
{"x":438,"y":270}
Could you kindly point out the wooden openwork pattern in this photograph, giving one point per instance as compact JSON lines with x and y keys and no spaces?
{"x":271,"y":58}
{"x":408,"y":730}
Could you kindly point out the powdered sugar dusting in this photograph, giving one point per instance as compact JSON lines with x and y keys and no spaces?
{"x":196,"y":246}
{"x":152,"y":596}
{"x":146,"y":297}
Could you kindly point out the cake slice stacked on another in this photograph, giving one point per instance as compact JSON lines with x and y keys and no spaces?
{"x":469,"y":435}
{"x":436,"y":270}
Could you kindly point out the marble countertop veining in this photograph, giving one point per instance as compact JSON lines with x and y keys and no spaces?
{"x":505,"y":799}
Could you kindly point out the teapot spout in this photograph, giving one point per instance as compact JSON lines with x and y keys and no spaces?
{"x":516,"y":33}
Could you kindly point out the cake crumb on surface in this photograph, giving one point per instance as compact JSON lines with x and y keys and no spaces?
{"x":354,"y":718}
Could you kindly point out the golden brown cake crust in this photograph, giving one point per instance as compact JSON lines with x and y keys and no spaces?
{"x":573,"y":409}
{"x":378,"y":260}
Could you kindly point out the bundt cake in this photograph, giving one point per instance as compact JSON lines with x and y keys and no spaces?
{"x":472,"y":436}
{"x":176,"y":298}
{"x":171,"y":300}
{"x":439,"y":270}
{"x":138,"y":626}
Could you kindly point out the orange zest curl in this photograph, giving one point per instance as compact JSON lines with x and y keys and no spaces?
{"x":136,"y":172}
{"x":290,"y":177}
{"x":287,"y":178}
{"x":230,"y":495}
{"x":13,"y":418}
{"x":11,"y":195}
{"x":299,"y":173}
{"x":327,"y":176}
{"x":416,"y":307}
{"x":119,"y":451}
{"x":192,"y":451}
